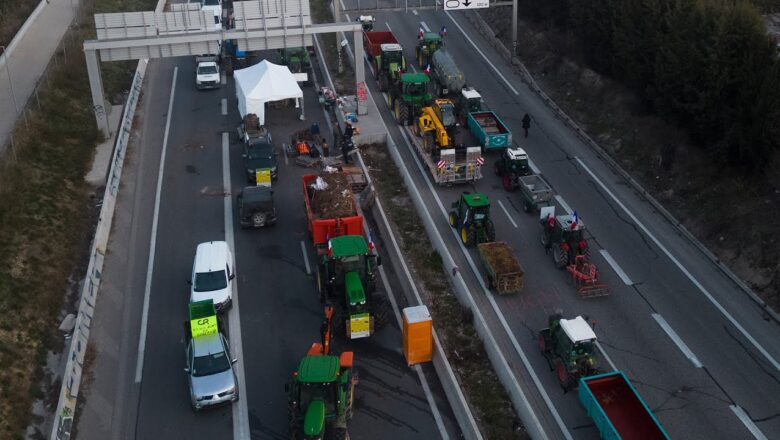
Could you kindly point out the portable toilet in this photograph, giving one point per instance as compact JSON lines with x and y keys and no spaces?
{"x":417,"y":335}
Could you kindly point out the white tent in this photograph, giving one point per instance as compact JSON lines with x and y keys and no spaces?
{"x":265,"y":82}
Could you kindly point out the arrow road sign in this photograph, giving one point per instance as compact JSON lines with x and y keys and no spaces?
{"x":451,"y":5}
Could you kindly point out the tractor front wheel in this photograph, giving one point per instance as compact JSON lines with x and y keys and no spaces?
{"x":453,"y":218}
{"x":467,"y":235}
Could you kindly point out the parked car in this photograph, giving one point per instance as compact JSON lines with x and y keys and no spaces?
{"x":258,"y":154}
{"x":212,"y":274}
{"x":256,"y":207}
{"x":210,"y":371}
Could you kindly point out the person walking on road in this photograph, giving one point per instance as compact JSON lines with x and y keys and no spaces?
{"x":526,"y":124}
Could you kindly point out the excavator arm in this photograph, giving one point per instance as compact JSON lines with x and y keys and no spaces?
{"x":428,"y":122}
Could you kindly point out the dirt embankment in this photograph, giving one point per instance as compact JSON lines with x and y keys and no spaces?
{"x":730,"y":213}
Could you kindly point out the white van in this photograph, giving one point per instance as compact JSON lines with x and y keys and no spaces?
{"x":212,"y":275}
{"x":215,"y":7}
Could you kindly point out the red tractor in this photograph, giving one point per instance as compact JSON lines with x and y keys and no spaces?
{"x":565,"y":236}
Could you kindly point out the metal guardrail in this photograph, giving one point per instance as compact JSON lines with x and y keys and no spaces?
{"x":71,"y":379}
{"x":66,"y":407}
{"x":485,"y":30}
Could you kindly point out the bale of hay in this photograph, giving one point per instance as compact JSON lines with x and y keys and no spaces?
{"x":335,"y":200}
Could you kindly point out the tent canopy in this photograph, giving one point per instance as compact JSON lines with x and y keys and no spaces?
{"x":261,"y":83}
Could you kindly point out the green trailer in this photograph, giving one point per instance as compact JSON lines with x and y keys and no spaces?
{"x":504,"y":272}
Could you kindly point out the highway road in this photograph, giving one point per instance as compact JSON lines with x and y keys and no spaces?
{"x":278,"y":313}
{"x":694,"y":345}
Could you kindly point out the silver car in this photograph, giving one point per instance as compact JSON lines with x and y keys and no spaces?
{"x":210,"y":371}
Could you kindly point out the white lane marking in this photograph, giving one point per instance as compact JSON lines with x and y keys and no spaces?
{"x":240,"y":408}
{"x":677,"y":340}
{"x":616,"y":267}
{"x":305,"y":258}
{"x":224,"y":106}
{"x":284,"y":150}
{"x":533,"y":166}
{"x":139,"y":366}
{"x":679,"y":265}
{"x":496,"y":309}
{"x":563,"y":204}
{"x":749,"y":424}
{"x":479,"y":51}
{"x":507,"y":213}
{"x":425,"y":26}
{"x":222,"y":78}
{"x":388,"y":27}
{"x":606,"y":356}
{"x":414,"y":11}
{"x":343,"y":8}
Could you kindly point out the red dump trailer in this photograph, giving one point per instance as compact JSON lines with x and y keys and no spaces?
{"x":332,"y":211}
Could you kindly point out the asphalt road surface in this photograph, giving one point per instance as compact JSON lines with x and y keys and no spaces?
{"x":279,"y":309}
{"x":665,"y":294}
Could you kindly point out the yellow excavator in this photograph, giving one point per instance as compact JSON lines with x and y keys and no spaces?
{"x":434,"y":123}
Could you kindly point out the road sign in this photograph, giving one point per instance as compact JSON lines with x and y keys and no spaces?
{"x":451,"y":5}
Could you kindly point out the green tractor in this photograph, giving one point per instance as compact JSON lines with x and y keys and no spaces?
{"x":470,"y":215}
{"x":429,"y":43}
{"x":347,"y":273}
{"x":565,"y":235}
{"x":320,"y":398}
{"x":409,"y":96}
{"x":390,"y":65}
{"x":297,"y":60}
{"x":569,"y":345}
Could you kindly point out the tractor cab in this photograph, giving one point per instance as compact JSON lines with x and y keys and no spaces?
{"x":445,"y":111}
{"x":427,"y":45}
{"x":469,"y":101}
{"x":569,"y":346}
{"x":393,"y":58}
{"x":471,"y":216}
{"x":565,"y":235}
{"x":320,"y":397}
{"x":512,"y":164}
{"x":367,"y":22}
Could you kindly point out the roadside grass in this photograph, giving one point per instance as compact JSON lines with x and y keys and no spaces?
{"x":492,"y":408}
{"x":13,"y":14}
{"x":46,"y":219}
{"x":345,"y":80}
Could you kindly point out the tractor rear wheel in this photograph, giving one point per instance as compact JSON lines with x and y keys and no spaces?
{"x":490,"y":230}
{"x":560,"y":257}
{"x":467,"y":235}
{"x":564,"y":378}
{"x":453,"y":218}
{"x":403,"y":113}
